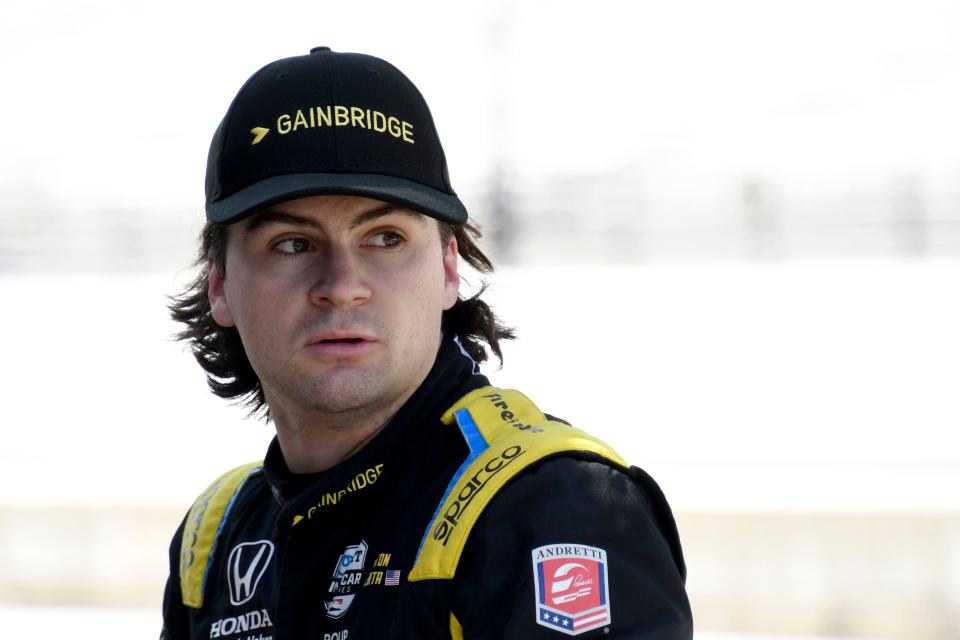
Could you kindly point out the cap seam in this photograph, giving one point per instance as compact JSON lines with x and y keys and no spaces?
{"x":444,"y":170}
{"x":230,"y":116}
{"x":333,"y":100}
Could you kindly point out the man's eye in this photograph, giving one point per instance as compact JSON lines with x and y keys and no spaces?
{"x":385,"y":239}
{"x":292,"y":246}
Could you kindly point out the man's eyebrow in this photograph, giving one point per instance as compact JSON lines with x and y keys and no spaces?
{"x":384,"y":210}
{"x":274,"y":216}
{"x":271,"y":216}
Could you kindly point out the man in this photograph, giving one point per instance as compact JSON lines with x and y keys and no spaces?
{"x":403,"y":496}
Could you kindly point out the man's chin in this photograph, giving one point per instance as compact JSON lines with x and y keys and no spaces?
{"x":347,"y":389}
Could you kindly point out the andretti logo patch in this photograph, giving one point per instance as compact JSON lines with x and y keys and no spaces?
{"x":571,"y":587}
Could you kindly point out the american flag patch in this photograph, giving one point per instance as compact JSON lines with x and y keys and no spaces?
{"x":392,"y":578}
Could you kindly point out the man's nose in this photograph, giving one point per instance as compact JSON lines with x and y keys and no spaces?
{"x":340,"y":280}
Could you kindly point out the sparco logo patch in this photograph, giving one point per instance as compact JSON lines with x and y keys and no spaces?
{"x":571,"y":587}
{"x":346,"y":579}
{"x":469,"y":491}
{"x":246,"y":565}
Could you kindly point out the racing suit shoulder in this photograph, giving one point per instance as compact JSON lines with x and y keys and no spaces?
{"x":201,"y":529}
{"x":176,"y":624}
{"x":193,"y":545}
{"x":573,"y":545}
{"x":505,"y":433}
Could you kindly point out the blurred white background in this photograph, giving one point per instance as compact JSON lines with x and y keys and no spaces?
{"x":728,"y":234}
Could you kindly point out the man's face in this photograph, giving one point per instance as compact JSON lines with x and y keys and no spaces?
{"x":337,"y":299}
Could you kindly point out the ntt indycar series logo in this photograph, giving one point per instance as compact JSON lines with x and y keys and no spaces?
{"x":571,"y":587}
{"x":346,"y":579}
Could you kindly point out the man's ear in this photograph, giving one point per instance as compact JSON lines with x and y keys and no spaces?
{"x":451,"y":277}
{"x":217,"y":295}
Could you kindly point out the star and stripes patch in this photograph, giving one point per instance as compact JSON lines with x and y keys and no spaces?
{"x":392,"y":578}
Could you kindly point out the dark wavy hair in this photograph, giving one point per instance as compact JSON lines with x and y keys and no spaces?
{"x":220,"y":351}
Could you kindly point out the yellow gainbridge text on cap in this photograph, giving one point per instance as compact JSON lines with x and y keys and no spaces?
{"x":343,"y":116}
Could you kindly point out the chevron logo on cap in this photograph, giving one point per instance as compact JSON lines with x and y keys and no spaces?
{"x":258,"y":134}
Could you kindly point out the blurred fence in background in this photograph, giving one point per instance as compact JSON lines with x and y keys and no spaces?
{"x":619,"y":217}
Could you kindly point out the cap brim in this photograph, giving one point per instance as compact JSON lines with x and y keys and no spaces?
{"x":439,"y":205}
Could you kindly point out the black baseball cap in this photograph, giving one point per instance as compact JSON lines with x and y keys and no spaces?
{"x":328,"y":123}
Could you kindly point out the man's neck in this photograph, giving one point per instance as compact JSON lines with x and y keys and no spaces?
{"x":311,"y":445}
{"x":312,"y":441}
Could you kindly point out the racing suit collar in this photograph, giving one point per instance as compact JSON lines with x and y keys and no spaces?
{"x":453,"y":373}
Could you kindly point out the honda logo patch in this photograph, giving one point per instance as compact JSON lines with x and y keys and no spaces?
{"x":246,"y":565}
{"x":571,"y":587}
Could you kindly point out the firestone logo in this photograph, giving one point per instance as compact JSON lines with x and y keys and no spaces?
{"x":507,"y":415}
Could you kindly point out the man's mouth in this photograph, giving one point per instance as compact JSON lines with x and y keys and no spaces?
{"x":340,"y":343}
